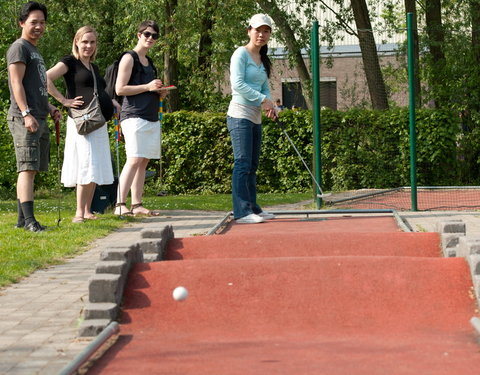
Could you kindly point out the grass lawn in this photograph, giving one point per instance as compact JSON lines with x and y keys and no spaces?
{"x":23,"y":252}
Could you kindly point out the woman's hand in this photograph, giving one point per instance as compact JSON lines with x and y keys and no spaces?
{"x":155,"y":85}
{"x":271,"y":113}
{"x":73,"y":103}
{"x":269,"y":108}
{"x":163,"y":94}
{"x":267,"y":104}
{"x":117,"y":106}
{"x":55,"y":113}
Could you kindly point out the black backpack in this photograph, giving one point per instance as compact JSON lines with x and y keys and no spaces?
{"x":112,"y":71}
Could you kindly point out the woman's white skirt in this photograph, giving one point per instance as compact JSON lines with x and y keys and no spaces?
{"x":87,"y":158}
{"x":142,"y":138}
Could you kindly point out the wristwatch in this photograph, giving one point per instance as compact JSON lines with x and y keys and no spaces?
{"x":26,"y":112}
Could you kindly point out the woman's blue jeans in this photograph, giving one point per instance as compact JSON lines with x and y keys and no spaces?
{"x":246,"y":141}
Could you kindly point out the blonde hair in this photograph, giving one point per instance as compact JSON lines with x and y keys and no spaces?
{"x":79,"y":34}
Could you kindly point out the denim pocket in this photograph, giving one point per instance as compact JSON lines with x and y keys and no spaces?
{"x":232,"y":122}
{"x":239,"y":123}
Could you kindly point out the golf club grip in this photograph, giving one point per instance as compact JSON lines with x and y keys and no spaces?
{"x":57,"y":131}
{"x":160,"y":110}
{"x":116,"y":122}
{"x":117,"y":130}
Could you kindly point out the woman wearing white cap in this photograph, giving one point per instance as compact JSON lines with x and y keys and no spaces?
{"x":249,"y":73}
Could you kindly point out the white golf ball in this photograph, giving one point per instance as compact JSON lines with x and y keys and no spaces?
{"x":180,"y":293}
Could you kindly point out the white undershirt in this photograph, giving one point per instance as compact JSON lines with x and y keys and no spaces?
{"x":249,"y":112}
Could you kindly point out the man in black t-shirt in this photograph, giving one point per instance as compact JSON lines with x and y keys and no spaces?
{"x":29,"y":108}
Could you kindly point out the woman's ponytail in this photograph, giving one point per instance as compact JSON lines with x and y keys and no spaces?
{"x":265,"y":60}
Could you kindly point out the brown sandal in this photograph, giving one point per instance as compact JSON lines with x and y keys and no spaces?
{"x":122,"y":213}
{"x":148,"y":213}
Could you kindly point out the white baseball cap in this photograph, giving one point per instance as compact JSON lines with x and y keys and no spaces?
{"x":259,"y":20}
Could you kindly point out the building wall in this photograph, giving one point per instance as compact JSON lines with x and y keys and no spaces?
{"x":346,"y":71}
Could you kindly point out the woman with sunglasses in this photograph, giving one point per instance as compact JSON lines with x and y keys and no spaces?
{"x":249,"y":73}
{"x":87,"y":160}
{"x":139,"y":119}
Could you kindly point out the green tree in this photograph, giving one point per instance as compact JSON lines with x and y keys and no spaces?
{"x":208,"y":32}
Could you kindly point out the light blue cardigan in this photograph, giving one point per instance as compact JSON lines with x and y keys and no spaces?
{"x":248,"y":80}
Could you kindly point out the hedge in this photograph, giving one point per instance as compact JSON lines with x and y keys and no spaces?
{"x":359,"y":149}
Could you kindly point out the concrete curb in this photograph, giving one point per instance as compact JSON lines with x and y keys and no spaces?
{"x":106,"y":286}
{"x":455,"y":243}
{"x":450,"y":233}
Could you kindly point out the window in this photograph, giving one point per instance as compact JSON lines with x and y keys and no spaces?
{"x":292,"y":94}
{"x":328,"y":92}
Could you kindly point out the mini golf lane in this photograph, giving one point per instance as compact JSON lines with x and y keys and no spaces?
{"x":241,"y":245}
{"x":300,"y":225}
{"x":309,"y":314}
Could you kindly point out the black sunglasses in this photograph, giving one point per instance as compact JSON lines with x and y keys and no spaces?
{"x":148,"y":34}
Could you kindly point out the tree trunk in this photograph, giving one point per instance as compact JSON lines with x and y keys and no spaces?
{"x":170,"y":57}
{"x":410,"y":7}
{"x":436,"y":39}
{"x":475,"y":15}
{"x":206,"y":42}
{"x":281,"y":23}
{"x":475,"y":22}
{"x":371,"y":64}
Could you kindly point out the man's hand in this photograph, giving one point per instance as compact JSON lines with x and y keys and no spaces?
{"x":31,"y":123}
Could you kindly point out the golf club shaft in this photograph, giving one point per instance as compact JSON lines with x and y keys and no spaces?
{"x":116,"y":121}
{"x":160,"y":120}
{"x":301,"y":158}
{"x":117,"y":136}
{"x":57,"y":140}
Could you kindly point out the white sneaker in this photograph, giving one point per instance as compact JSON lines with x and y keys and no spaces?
{"x":266,"y":215}
{"x":250,"y":219}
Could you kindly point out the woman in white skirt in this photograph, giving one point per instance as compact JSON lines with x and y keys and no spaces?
{"x":137,"y":83}
{"x":87,"y":158}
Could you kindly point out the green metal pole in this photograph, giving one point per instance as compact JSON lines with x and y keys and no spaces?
{"x":315,"y":59}
{"x":411,"y":89}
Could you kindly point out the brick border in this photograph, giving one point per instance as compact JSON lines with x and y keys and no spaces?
{"x":106,"y":286}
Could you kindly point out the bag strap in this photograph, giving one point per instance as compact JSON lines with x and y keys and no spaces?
{"x":92,"y":69}
{"x":137,"y":64}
